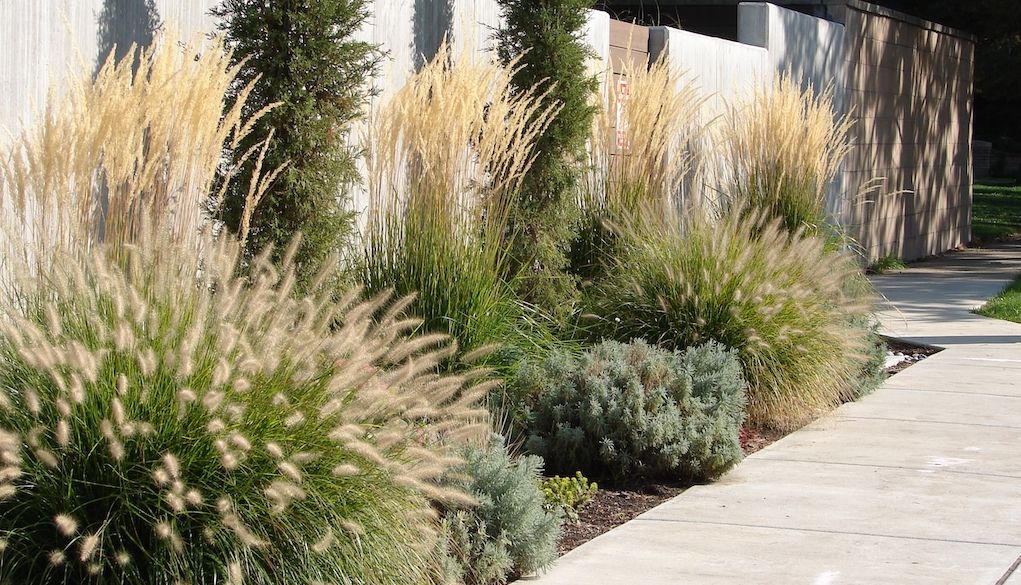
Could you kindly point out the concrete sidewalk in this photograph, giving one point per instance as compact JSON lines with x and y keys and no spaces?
{"x":919,"y":483}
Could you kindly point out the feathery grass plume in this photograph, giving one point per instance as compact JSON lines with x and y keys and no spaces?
{"x":165,"y":418}
{"x":154,"y":490}
{"x":780,"y":299}
{"x":780,"y":151}
{"x":658,"y":165}
{"x":444,"y":156}
{"x":138,"y":144}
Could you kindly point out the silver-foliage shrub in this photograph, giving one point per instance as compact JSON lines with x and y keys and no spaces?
{"x":165,"y":421}
{"x":510,"y":531}
{"x":634,"y":409}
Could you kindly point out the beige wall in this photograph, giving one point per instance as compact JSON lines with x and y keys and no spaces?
{"x":910,"y":86}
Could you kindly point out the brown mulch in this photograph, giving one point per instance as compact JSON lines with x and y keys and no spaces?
{"x":613,"y":506}
{"x":756,"y":439}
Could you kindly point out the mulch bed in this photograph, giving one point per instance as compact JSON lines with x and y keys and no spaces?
{"x":612,"y":506}
{"x":615,"y":505}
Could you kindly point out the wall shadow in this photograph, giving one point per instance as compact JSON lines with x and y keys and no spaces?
{"x":123,"y":23}
{"x":433,"y":21}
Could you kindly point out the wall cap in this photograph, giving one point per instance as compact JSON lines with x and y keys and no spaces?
{"x":909,"y":19}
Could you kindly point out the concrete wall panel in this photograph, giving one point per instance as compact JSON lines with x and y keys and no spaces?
{"x":42,"y":44}
{"x":910,"y":87}
{"x":724,"y":70}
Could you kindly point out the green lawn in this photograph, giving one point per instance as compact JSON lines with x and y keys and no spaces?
{"x":996,"y":213}
{"x":1006,"y":305}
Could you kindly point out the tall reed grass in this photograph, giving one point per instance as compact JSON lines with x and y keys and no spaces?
{"x":781,"y":149}
{"x":138,"y":144}
{"x":445,"y":157}
{"x":658,"y":165}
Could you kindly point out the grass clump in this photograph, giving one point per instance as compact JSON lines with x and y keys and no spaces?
{"x":887,"y":264}
{"x":126,"y":149}
{"x":660,"y":166}
{"x":1006,"y":305}
{"x":511,"y":531}
{"x":781,"y":149}
{"x":444,"y":157}
{"x":628,"y":410}
{"x":779,"y":299}
{"x":162,"y":427}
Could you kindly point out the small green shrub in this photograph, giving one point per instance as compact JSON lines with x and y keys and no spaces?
{"x":886,"y":264}
{"x":780,"y":299}
{"x":631,"y":410}
{"x":510,"y":531}
{"x":569,"y":494}
{"x":165,"y":421}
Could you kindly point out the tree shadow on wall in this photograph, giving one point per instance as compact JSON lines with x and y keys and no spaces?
{"x":123,"y":23}
{"x":433,"y":21}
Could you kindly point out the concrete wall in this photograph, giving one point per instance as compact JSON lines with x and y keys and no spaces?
{"x":412,"y":30}
{"x":909,"y":83}
{"x":722,"y":69}
{"x":724,"y":72}
{"x":810,"y":49}
{"x":42,"y":43}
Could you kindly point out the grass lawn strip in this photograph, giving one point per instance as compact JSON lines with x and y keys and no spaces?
{"x":996,"y":212}
{"x":1006,"y":305}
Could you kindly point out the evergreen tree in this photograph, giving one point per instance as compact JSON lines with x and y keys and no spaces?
{"x":305,"y":57}
{"x":546,"y":35}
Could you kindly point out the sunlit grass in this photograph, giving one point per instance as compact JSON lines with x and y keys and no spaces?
{"x":996,"y":212}
{"x":1006,"y":305}
{"x":886,"y":264}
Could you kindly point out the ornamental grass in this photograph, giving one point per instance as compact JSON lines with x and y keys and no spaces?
{"x":172,"y":414}
{"x":445,"y":156}
{"x":780,"y":299}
